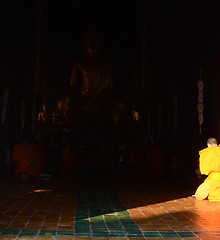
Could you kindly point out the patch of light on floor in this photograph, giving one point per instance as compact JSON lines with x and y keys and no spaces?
{"x":41,"y":190}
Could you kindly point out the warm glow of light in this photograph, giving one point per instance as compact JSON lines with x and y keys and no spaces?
{"x":155,"y":208}
{"x":175,"y":206}
{"x":41,"y":190}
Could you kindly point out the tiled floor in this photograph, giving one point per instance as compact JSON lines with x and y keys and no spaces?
{"x":104,"y":207}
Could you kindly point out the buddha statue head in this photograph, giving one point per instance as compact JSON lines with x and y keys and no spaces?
{"x":92,"y":43}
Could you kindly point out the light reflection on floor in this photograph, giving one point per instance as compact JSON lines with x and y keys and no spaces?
{"x":98,"y":208}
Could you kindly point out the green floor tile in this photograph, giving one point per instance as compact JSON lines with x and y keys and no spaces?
{"x":101,"y":221}
{"x":114,"y":224}
{"x":78,"y":225}
{"x":106,"y":214}
{"x":10,"y":232}
{"x":112,"y":220}
{"x":99,"y":230}
{"x":125,"y":217}
{"x":82,"y":221}
{"x":82,"y":234}
{"x":117,"y":234}
{"x":112,"y":217}
{"x":130,"y":226}
{"x":127,"y":222}
{"x":48,"y":233}
{"x":82,"y":229}
{"x":123,"y":213}
{"x":186,"y":234}
{"x":99,"y":235}
{"x":151,"y":234}
{"x":29,"y":232}
{"x":115,"y":228}
{"x":96,"y":218}
{"x":169,"y":234}
{"x":133,"y":232}
{"x":134,"y":235}
{"x":82,"y":225}
{"x":98,"y":225}
{"x":65,"y":233}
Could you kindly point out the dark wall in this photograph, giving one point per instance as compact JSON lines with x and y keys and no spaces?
{"x":179,"y":45}
{"x":157,"y":47}
{"x":216,"y":69}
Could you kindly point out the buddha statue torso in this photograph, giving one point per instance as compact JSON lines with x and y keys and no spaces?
{"x":91,"y":77}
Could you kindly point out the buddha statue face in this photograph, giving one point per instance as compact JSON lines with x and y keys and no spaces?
{"x":92,"y":44}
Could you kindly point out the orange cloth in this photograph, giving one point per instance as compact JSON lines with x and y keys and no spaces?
{"x":202,"y":192}
{"x":22,"y":157}
{"x":209,"y":162}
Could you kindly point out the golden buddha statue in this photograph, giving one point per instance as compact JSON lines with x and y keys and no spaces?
{"x":91,"y":77}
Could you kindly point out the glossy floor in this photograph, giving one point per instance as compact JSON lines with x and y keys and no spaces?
{"x":93,"y":206}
